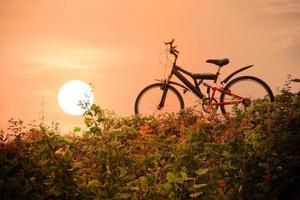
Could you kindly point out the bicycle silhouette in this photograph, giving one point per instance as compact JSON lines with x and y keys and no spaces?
{"x":163,"y":97}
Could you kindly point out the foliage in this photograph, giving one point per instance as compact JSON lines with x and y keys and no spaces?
{"x":252,"y":155}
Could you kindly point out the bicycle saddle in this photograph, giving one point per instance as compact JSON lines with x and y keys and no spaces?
{"x":219,"y":62}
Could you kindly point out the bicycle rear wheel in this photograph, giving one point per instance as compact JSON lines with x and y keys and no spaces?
{"x":147,"y":102}
{"x":250,"y":88}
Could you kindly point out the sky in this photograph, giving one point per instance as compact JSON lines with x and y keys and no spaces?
{"x":115,"y":46}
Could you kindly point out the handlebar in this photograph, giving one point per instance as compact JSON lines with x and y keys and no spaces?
{"x":172,"y":49}
{"x":170,"y":43}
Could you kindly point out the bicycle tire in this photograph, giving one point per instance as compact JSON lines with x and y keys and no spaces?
{"x":140,"y":101}
{"x":254,"y":95}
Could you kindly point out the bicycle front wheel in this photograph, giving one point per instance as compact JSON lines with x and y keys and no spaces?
{"x":148,"y":100}
{"x":242,"y":91}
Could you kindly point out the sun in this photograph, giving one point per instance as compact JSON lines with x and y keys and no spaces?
{"x":73,"y":92}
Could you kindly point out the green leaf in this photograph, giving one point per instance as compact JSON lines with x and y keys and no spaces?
{"x":77,"y":165}
{"x":52,"y":169}
{"x":93,"y":183}
{"x":48,"y":182}
{"x":197,"y":186}
{"x":135,"y":188}
{"x":184,"y":175}
{"x":168,"y":166}
{"x":171,"y":177}
{"x":263,"y":165}
{"x":240,"y":188}
{"x":226,"y":154}
{"x":201,"y":171}
{"x":114,"y":136}
{"x":196,"y":194}
{"x":122,"y":196}
{"x":149,"y":180}
{"x":122,"y":171}
{"x":87,"y":121}
{"x":77,"y":129}
{"x":95,"y":130}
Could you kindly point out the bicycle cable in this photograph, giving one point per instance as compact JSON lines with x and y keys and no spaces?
{"x":165,"y":63}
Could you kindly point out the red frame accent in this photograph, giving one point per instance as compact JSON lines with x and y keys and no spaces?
{"x":221,"y":90}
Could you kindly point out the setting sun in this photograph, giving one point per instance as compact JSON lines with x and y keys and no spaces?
{"x":71,"y":94}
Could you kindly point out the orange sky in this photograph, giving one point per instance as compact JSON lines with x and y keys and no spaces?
{"x":115,"y":45}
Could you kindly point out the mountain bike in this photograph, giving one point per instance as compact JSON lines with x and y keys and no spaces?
{"x":239,"y":92}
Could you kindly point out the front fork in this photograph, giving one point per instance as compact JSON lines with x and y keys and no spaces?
{"x":164,"y":94}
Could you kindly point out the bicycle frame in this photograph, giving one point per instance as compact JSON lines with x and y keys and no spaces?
{"x":178,"y":72}
{"x":221,"y":90}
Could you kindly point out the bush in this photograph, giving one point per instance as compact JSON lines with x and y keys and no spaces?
{"x":252,"y":155}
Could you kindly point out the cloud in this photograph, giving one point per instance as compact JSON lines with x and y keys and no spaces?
{"x":281,"y":6}
{"x":67,"y":58}
{"x":286,"y":37}
{"x":283,"y":17}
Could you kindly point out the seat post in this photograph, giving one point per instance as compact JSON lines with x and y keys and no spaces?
{"x":218,"y":73}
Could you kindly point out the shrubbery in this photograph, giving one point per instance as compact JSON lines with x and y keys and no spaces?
{"x":252,"y":155}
